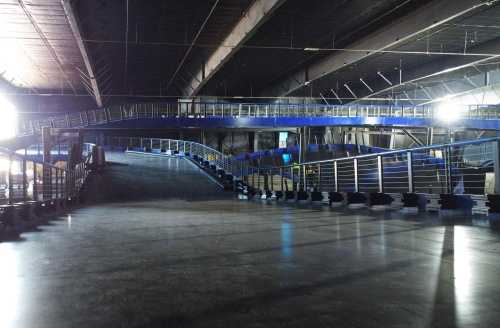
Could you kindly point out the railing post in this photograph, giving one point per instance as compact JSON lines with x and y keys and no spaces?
{"x":496,"y":163}
{"x":57,"y":184}
{"x":258,"y":177}
{"x":292,"y":178}
{"x":380,"y":173}
{"x":35,"y":188}
{"x":281,"y":175}
{"x":270,"y":182}
{"x":335,"y":175}
{"x":448,"y":170}
{"x":304,"y":176}
{"x":25,"y":181}
{"x":11,"y":184}
{"x":319,"y":177}
{"x":356,"y":178}
{"x":409,"y":157}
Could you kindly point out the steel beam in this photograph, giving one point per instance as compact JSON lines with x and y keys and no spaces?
{"x":73,"y":23}
{"x":46,"y":42}
{"x":426,"y":18}
{"x":191,"y":46}
{"x":439,"y":69}
{"x":413,"y":137}
{"x":256,"y":15}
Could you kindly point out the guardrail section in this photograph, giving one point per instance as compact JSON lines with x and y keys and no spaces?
{"x":471,"y":167}
{"x":237,"y":110}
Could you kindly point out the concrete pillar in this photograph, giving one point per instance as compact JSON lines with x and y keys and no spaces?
{"x":303,"y":142}
{"x":202,"y":137}
{"x":251,"y":142}
{"x":496,"y":166}
{"x":220,"y":141}
{"x":47,"y":144}
{"x":47,"y":171}
{"x":430,"y":136}
{"x":101,"y":139}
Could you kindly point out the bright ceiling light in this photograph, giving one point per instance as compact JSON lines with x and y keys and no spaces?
{"x":449,"y":111}
{"x":8,"y":119}
{"x":312,"y":49}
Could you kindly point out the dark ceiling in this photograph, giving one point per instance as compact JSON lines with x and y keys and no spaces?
{"x":277,"y":48}
{"x":159,"y":35}
{"x":150,"y":50}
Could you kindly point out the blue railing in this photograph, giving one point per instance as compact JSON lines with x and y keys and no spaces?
{"x":470,"y":167}
{"x":236,"y":110}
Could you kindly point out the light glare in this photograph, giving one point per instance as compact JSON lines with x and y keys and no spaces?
{"x":8,"y":119}
{"x":450,"y":112}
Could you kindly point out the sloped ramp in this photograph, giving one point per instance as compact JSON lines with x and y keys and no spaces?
{"x":131,"y":177}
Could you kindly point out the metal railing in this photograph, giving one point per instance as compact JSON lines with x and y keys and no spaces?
{"x":470,"y":167}
{"x":210,"y":109}
{"x":172,"y":146}
{"x":23,"y":180}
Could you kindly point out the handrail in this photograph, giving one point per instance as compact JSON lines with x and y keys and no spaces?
{"x":402,"y":151}
{"x":208,"y":154}
{"x":237,"y":110}
{"x":470,"y":167}
{"x":23,"y":179}
{"x":460,"y":167}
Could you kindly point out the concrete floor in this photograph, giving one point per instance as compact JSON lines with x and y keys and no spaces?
{"x":198,"y":258}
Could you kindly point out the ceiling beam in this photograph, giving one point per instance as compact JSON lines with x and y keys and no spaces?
{"x":46,"y":42}
{"x":440,"y":68}
{"x":191,"y":46}
{"x":395,"y":34}
{"x":259,"y":12}
{"x":70,"y":15}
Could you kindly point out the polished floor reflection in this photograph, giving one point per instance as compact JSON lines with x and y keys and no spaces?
{"x":190,"y":261}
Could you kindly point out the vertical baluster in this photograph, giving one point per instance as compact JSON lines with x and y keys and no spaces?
{"x":356,"y":177}
{"x":380,"y":171}
{"x":409,"y":158}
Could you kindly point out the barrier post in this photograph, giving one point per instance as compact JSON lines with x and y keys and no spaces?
{"x":281,"y":175}
{"x":496,"y":163}
{"x":356,"y":178}
{"x":335,"y":174}
{"x":11,"y":182}
{"x":304,"y":175}
{"x":409,"y":158}
{"x":319,"y":177}
{"x":25,"y":181}
{"x":380,"y":171}
{"x":35,"y":184}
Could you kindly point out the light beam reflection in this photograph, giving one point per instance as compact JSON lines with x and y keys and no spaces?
{"x":463,"y":272}
{"x":286,"y":240}
{"x":9,"y":286}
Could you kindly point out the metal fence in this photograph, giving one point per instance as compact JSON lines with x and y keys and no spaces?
{"x":470,"y":167}
{"x":172,"y":146}
{"x":23,"y":180}
{"x":210,"y":109}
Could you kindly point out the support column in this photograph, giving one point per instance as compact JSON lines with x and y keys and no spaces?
{"x":303,"y":134}
{"x":202,"y":137}
{"x":256,"y":139}
{"x":496,"y":165}
{"x":47,"y":171}
{"x":100,"y":139}
{"x":220,"y":141}
{"x":251,"y":140}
